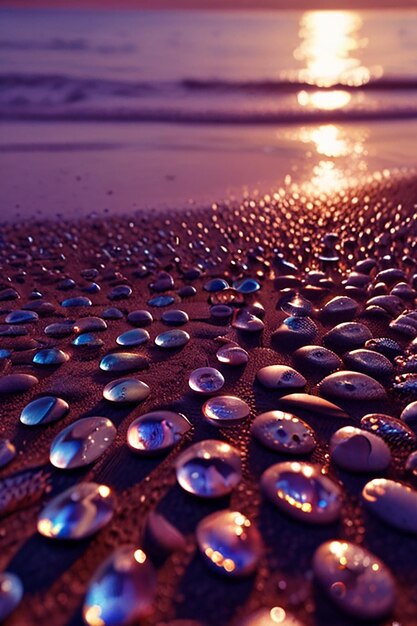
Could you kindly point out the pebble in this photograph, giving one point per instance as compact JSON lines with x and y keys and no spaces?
{"x":283,"y":432}
{"x":356,"y":450}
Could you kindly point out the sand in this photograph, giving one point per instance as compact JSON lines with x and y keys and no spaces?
{"x":230,"y":239}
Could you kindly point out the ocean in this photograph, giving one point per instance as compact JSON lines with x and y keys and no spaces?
{"x":228,"y":67}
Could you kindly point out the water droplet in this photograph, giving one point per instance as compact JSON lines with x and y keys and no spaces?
{"x":280,"y":377}
{"x":161,"y":301}
{"x":232,"y":354}
{"x":122,"y":590}
{"x":230,"y":543}
{"x":21,"y":317}
{"x":126,"y":390}
{"x":44,"y":410}
{"x":17,"y":383}
{"x":134,"y":337}
{"x":90,"y":325}
{"x":356,"y":580}
{"x":393,"y":502}
{"x":174,"y":338}
{"x":223,"y":411}
{"x":283,"y":432}
{"x":351,"y":386}
{"x":7,"y":452}
{"x":87,"y":340}
{"x":11,"y":593}
{"x":82,"y":442}
{"x":216,"y":284}
{"x":295,"y":305}
{"x":156,"y":432}
{"x":206,"y":380}
{"x":78,"y":301}
{"x":123,"y":362}
{"x":300,"y":490}
{"x":248,"y":322}
{"x":50,"y":356}
{"x":356,"y":450}
{"x":77,"y":512}
{"x":247,"y":285}
{"x":209,"y":469}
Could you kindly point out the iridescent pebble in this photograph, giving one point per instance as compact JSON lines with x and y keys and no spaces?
{"x":44,"y":410}
{"x":232,"y":354}
{"x":393,"y":502}
{"x":230,"y":543}
{"x":283,"y":432}
{"x":156,"y":432}
{"x":134,"y":337}
{"x":164,"y":282}
{"x":354,"y":579}
{"x":140,"y":318}
{"x":16,"y":383}
{"x":188,"y":291}
{"x":59,"y":329}
{"x":50,"y":356}
{"x":174,"y":338}
{"x":393,"y":430}
{"x":295,"y":305}
{"x":21,"y":317}
{"x":122,"y":590}
{"x":126,"y":390}
{"x":409,"y":414}
{"x":369,"y":362}
{"x":302,"y":491}
{"x":78,"y":301}
{"x":112,"y":313}
{"x":87,"y":340}
{"x":77,"y":512}
{"x":295,"y":332}
{"x":223,"y":411}
{"x":247,"y":285}
{"x":356,"y":450}
{"x":311,"y":404}
{"x":90,"y":325}
{"x":82,"y":442}
{"x":351,"y":386}
{"x":11,"y":593}
{"x":120,"y":292}
{"x":209,"y":469}
{"x":161,"y":301}
{"x":317,"y":359}
{"x":248,"y":322}
{"x":216,"y":284}
{"x":8,"y":294}
{"x":123,"y":362}
{"x":270,"y":617}
{"x":206,"y":380}
{"x":347,"y":336}
{"x":340,"y":307}
{"x":280,"y":377}
{"x":175,"y":317}
{"x":386,"y":346}
{"x":7,"y":452}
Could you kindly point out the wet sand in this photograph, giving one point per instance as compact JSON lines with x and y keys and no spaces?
{"x":230,"y":240}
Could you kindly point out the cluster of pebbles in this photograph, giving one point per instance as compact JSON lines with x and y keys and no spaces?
{"x":211,"y":417}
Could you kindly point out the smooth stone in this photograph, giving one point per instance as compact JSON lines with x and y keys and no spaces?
{"x":269,"y":617}
{"x":112,"y":313}
{"x":348,"y":385}
{"x":221,"y":312}
{"x":247,"y":285}
{"x":126,"y":390}
{"x":82,"y":442}
{"x":295,"y":305}
{"x":59,"y":329}
{"x":394,"y":431}
{"x":120,"y":292}
{"x":7,"y":452}
{"x":78,"y":301}
{"x":209,"y":469}
{"x":283,"y":432}
{"x":16,"y":383}
{"x":44,"y":410}
{"x":317,"y":359}
{"x":11,"y":593}
{"x":295,"y":332}
{"x":356,"y":450}
{"x":411,"y":463}
{"x":8,"y":294}
{"x":174,"y":338}
{"x":12,"y":331}
{"x":140,"y":318}
{"x":354,"y":579}
{"x":21,"y":317}
{"x":393,"y":502}
{"x":134,"y":337}
{"x":341,"y":308}
{"x":164,"y":282}
{"x":216,"y":284}
{"x":206,"y":380}
{"x":77,"y":512}
{"x":122,"y":590}
{"x":156,"y":432}
{"x":232,"y":354}
{"x":280,"y":377}
{"x":230,"y":543}
{"x":248,"y":322}
{"x":175,"y":317}
{"x":50,"y":356}
{"x":161,"y":301}
{"x":188,"y":291}
{"x":391,"y":304}
{"x":409,"y":414}
{"x":303,"y":492}
{"x":91,"y":324}
{"x":123,"y":362}
{"x":347,"y":336}
{"x":87,"y":340}
{"x":311,"y":404}
{"x":386,"y":346}
{"x":224,"y":411}
{"x":160,"y":537}
{"x":369,"y":362}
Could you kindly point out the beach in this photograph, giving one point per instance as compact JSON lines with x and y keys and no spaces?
{"x":204,"y":203}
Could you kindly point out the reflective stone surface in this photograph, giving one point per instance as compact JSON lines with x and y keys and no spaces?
{"x":156,"y":432}
{"x":356,"y":450}
{"x":393,"y":502}
{"x":206,"y":380}
{"x":44,"y":410}
{"x":82,"y":442}
{"x":174,"y":338}
{"x":225,"y":411}
{"x":126,"y":390}
{"x":283,"y":432}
